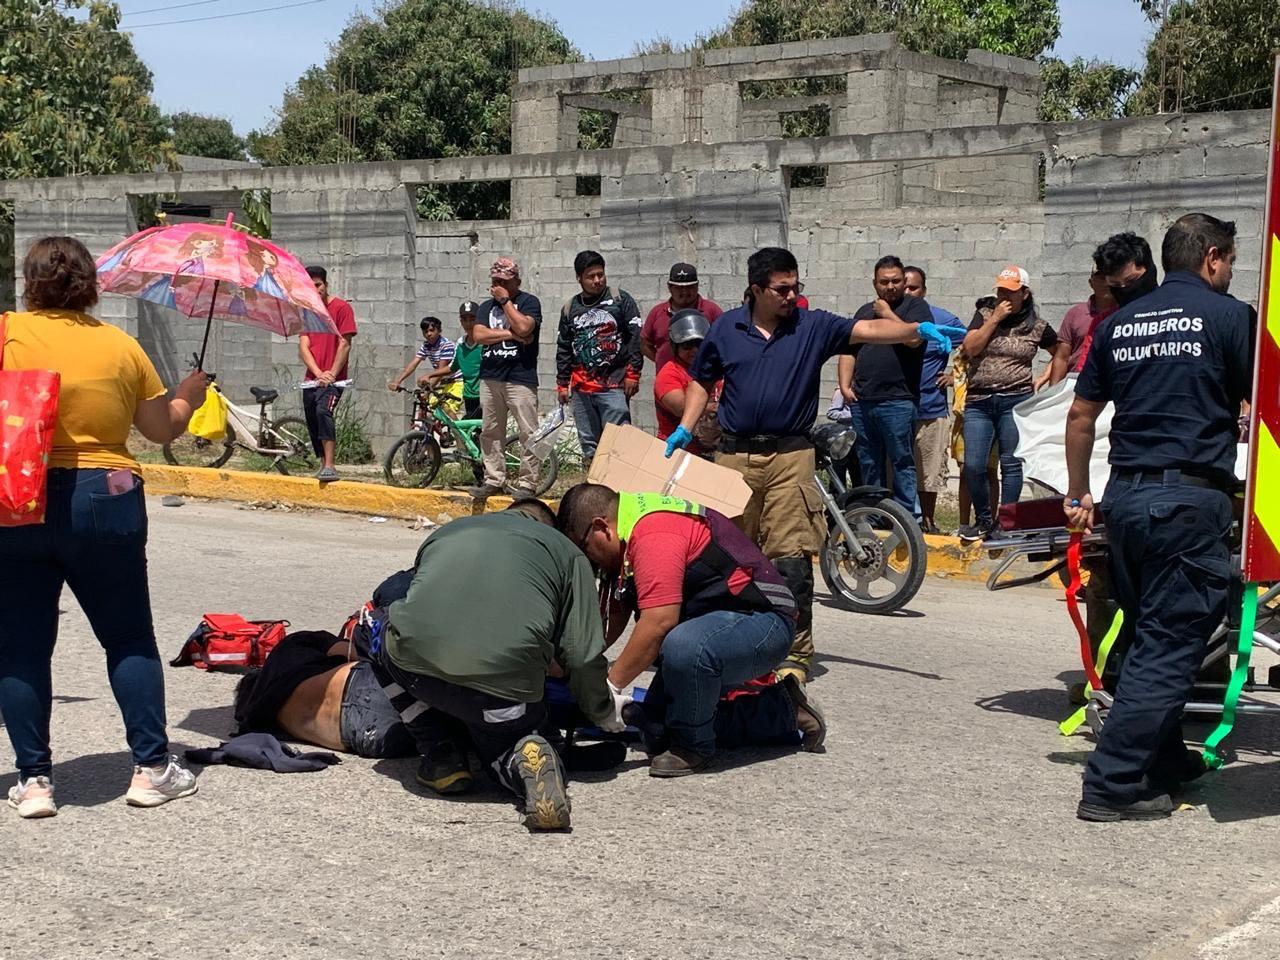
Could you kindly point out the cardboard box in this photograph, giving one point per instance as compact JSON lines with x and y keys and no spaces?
{"x":632,"y":461}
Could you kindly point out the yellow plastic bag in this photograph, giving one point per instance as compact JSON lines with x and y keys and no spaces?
{"x":209,"y":422}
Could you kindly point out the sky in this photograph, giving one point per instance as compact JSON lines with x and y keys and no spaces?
{"x":239,"y":66}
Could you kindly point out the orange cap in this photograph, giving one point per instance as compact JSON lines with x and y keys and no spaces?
{"x":1012,"y":278}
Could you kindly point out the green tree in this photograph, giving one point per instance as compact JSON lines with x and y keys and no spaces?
{"x":1084,"y":89}
{"x":422,"y":79}
{"x":1217,"y":55}
{"x":945,"y":28}
{"x":74,"y":97}
{"x":197,"y":135}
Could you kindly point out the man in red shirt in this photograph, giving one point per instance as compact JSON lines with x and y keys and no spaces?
{"x":1077,"y":327}
{"x":682,"y":284}
{"x":325,"y":357}
{"x":713,"y":613}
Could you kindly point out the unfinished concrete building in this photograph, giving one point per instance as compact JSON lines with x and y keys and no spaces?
{"x":940,"y":162}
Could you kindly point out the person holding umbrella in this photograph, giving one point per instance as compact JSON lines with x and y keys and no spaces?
{"x":218,"y":270}
{"x":94,"y":538}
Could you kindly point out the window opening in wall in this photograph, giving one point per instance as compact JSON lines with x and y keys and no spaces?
{"x":472,"y":200}
{"x":814,"y":121}
{"x":596,"y":131}
{"x":795,"y":87}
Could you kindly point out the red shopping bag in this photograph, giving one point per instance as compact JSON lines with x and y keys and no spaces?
{"x":28,"y":412}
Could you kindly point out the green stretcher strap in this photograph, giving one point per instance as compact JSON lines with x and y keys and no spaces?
{"x":1244,"y":647}
{"x":1070,"y":725}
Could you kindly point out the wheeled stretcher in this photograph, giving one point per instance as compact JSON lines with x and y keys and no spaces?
{"x":1032,"y":531}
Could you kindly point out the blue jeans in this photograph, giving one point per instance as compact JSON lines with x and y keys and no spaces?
{"x":708,"y":655}
{"x":987,"y":421}
{"x":887,"y":430}
{"x":591,"y":411}
{"x":95,"y":543}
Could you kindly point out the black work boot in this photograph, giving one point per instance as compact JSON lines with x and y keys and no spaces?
{"x":1151,"y":808}
{"x":444,"y":769}
{"x":535,"y":767}
{"x":1193,"y":767}
{"x":798,"y":574}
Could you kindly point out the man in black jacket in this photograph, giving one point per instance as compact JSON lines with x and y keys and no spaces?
{"x":598,"y":356}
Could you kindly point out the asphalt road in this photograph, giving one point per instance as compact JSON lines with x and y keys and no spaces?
{"x":939,"y":824}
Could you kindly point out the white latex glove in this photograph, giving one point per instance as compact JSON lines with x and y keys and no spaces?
{"x":614,"y":723}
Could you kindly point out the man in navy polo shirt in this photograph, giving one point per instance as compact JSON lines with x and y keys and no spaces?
{"x":770,"y":354}
{"x":1176,"y":363}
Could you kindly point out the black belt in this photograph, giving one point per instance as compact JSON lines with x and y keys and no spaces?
{"x":735,"y":443}
{"x":1175,"y":478}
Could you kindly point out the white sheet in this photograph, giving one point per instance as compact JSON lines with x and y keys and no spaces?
{"x":1042,"y":422}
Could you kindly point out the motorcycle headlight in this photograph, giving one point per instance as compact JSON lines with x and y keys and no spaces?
{"x":842,"y":443}
{"x":834,"y":440}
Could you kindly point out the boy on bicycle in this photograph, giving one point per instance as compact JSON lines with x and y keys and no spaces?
{"x":438,"y":350}
{"x":465,"y":364}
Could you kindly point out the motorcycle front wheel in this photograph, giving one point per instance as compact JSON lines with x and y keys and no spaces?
{"x":894,"y":563}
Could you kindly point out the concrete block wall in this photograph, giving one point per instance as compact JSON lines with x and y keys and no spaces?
{"x":100,"y":222}
{"x":960,"y":250}
{"x":364,"y":236}
{"x":1089,"y":198}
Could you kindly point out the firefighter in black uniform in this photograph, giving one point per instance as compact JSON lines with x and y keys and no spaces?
{"x":1177,"y":365}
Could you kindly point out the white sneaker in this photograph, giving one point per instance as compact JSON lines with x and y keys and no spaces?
{"x":33,"y":798}
{"x":152,"y":786}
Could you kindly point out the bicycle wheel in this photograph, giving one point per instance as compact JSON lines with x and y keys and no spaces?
{"x":189,"y":451}
{"x":548,"y":470}
{"x":292,"y":433}
{"x":412,"y":461}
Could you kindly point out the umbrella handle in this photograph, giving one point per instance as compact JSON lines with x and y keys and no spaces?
{"x":208,"y":325}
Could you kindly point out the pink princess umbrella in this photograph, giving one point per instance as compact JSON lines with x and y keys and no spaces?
{"x":213,"y":270}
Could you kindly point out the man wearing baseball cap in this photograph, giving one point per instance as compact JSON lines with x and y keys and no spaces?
{"x":682,"y":285}
{"x":507,"y":324}
{"x":1000,"y":348}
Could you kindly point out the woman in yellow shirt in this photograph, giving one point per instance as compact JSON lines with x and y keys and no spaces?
{"x":94,"y":536}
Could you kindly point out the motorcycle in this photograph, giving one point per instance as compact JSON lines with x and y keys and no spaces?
{"x":874,"y":557}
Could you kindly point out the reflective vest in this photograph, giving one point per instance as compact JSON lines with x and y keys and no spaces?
{"x":707,"y":580}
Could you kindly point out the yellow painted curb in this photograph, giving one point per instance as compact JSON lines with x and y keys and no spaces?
{"x":948,"y":557}
{"x":344,"y":495}
{"x":952,"y":559}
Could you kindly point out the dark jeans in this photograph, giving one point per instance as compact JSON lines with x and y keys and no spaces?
{"x":318,"y":406}
{"x":1170,"y":571}
{"x":95,"y":543}
{"x":709,"y":655}
{"x":887,"y":430}
{"x":591,"y":411}
{"x":988,"y":421}
{"x":762,"y":718}
{"x":436,"y":711}
{"x":369,"y":724}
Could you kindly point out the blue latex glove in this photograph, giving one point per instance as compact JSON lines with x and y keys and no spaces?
{"x":931,"y":331}
{"x":681,"y":438}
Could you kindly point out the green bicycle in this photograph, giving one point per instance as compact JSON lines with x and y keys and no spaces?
{"x":415,"y":459}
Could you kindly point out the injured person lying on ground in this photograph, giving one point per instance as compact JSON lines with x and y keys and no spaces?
{"x":323,"y":689}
